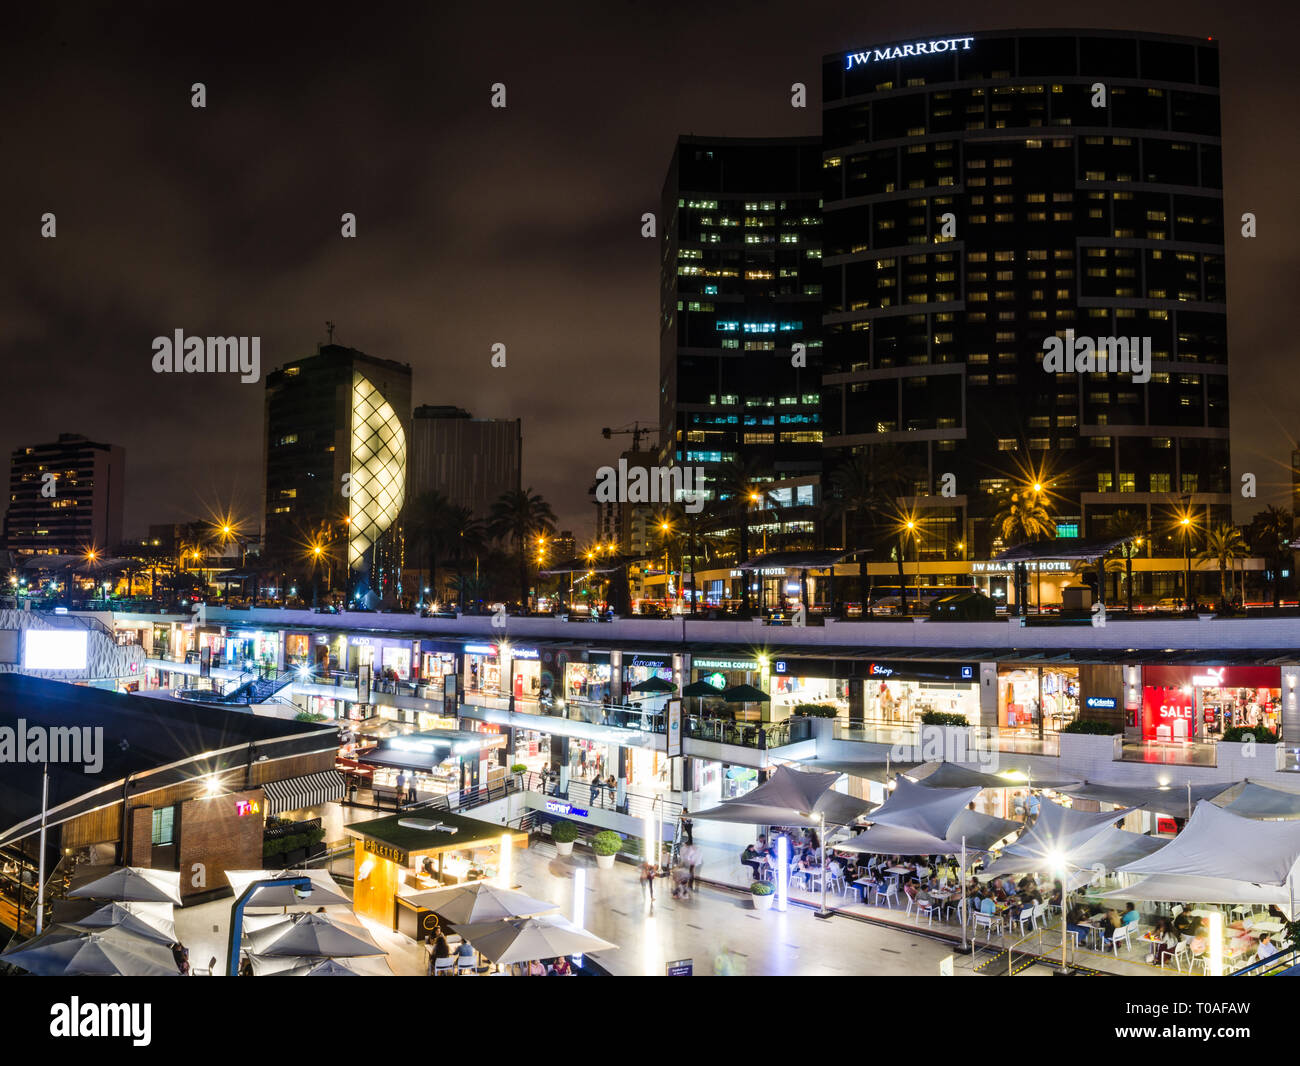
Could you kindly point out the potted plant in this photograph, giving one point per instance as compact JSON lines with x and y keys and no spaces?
{"x":519,"y":769}
{"x":761,"y":895}
{"x":563,"y":834}
{"x":606,"y":845}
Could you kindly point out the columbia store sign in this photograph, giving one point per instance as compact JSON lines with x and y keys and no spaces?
{"x":903,"y":51}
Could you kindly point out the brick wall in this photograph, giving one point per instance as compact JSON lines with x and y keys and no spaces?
{"x":213,"y":832}
{"x":139,"y":844}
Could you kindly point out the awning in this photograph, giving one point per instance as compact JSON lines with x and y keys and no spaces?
{"x":1260,"y":801}
{"x":1173,"y":799}
{"x":298,"y":792}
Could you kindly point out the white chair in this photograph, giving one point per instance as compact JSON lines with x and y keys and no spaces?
{"x":1122,"y":933}
{"x":987,"y":921}
{"x":926,"y":907}
{"x":445,"y":966}
{"x":1027,"y":916}
{"x":814,"y":879}
{"x":890,"y":891}
{"x":837,"y":882}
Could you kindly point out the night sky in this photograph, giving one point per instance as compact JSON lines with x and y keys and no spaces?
{"x":475,"y":225}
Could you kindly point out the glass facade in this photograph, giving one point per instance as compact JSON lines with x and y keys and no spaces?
{"x":986,"y":198}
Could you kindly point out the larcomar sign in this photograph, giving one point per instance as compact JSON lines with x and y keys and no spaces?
{"x":903,"y":51}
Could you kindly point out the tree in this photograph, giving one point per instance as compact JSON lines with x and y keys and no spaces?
{"x":1022,"y":516}
{"x":431,"y":519}
{"x":737,"y":493}
{"x":1223,"y":545}
{"x":870,"y":486}
{"x":1270,"y":533}
{"x":1133,"y":527}
{"x":470,"y":539}
{"x":520,"y":515}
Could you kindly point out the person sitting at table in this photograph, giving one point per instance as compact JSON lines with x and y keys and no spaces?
{"x":1131,"y":916}
{"x":1057,"y":894}
{"x":1074,"y":922}
{"x":561,"y":968}
{"x":1267,"y":949}
{"x":987,"y":905}
{"x":1184,"y":921}
{"x":1113,"y":921}
{"x":1164,"y":941}
{"x":750,"y":857}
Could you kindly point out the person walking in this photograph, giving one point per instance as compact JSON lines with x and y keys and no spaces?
{"x":410,"y":788}
{"x":595,"y":791}
{"x":648,"y":881}
{"x":688,"y":827}
{"x":401,"y":786}
{"x":691,"y":857}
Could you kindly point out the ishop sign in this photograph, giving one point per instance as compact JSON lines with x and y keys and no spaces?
{"x":905,"y":51}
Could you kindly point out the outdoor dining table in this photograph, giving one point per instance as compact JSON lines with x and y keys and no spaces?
{"x":1271,"y":925}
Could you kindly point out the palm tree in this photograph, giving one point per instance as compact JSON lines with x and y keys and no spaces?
{"x":431,"y":520}
{"x":1223,"y":545}
{"x":469,"y":540}
{"x":1132,"y":527}
{"x":870,"y":487}
{"x":1270,"y":534}
{"x":736,"y":489}
{"x":520,"y":515}
{"x":1022,"y":516}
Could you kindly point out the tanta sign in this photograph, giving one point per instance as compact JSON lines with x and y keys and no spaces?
{"x":246,"y":807}
{"x":903,"y":51}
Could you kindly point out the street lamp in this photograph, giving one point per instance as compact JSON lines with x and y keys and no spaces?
{"x":1185,"y":523}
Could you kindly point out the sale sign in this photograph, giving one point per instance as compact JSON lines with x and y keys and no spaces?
{"x":1163,"y":709}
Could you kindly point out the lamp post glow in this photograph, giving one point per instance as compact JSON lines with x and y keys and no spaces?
{"x":782,"y":870}
{"x":579,"y":903}
{"x":504,"y":870}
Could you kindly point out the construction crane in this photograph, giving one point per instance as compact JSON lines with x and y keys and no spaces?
{"x":636,"y":431}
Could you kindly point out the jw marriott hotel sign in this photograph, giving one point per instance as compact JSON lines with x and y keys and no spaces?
{"x":902,"y":51}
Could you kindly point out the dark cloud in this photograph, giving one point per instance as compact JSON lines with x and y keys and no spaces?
{"x":475,"y":226}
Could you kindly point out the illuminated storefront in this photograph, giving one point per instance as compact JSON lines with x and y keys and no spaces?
{"x":253,"y":648}
{"x":483,"y":671}
{"x":1182,"y":703}
{"x":587,"y":681}
{"x":807,"y":681}
{"x":900,"y":692}
{"x":1040,"y":699}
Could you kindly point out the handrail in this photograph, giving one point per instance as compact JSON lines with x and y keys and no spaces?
{"x":1265,"y":967}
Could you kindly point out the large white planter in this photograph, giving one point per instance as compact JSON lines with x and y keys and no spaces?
{"x":564,"y":847}
{"x":762,"y":903}
{"x":605,"y":862}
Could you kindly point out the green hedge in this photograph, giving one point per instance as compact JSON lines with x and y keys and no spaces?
{"x":761,"y":888}
{"x":1241,"y":734}
{"x":1086,"y":725}
{"x":815,"y":710}
{"x":943,"y":718}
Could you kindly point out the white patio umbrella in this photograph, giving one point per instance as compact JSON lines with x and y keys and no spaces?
{"x":526,"y":939}
{"x":479,"y":901}
{"x":133,"y":884}
{"x":325,"y":891}
{"x":104,"y":953}
{"x":309,"y":966}
{"x":314,"y":935}
{"x":116,"y":916}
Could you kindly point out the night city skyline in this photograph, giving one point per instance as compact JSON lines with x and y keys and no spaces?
{"x":225,"y":220}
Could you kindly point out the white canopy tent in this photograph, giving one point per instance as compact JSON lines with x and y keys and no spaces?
{"x":1059,"y":833}
{"x":1260,"y":801}
{"x":1217,"y":843}
{"x":981,"y":832}
{"x":926,"y":810}
{"x":1175,"y":888}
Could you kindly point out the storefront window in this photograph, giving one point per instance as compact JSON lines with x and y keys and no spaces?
{"x":1038,"y":700}
{"x":788,"y":692}
{"x":892,"y":700}
{"x":586,"y":681}
{"x":1199,"y":702}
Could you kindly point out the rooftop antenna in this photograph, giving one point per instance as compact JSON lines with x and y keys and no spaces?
{"x":329,"y":329}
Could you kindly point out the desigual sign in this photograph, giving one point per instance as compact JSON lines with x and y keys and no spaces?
{"x":903,"y":51}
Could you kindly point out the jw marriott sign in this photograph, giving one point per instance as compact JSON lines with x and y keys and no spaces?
{"x":902,"y":51}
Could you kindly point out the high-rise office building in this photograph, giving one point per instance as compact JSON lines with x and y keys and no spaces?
{"x":471,"y":461}
{"x":740,"y":286}
{"x":65,"y":497}
{"x":985,"y":193}
{"x":337,"y":439}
